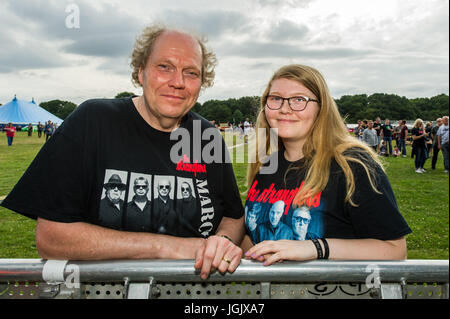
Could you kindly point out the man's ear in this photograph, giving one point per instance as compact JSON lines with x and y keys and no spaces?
{"x":141,"y":76}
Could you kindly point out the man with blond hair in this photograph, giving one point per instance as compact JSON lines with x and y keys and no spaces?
{"x":134,"y":136}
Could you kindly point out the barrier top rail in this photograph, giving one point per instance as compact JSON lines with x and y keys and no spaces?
{"x":249,"y":271}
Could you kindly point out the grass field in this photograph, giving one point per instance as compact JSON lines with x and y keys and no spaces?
{"x":423,"y":200}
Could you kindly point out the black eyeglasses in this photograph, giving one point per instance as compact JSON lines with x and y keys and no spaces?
{"x":164,"y":186}
{"x":140,"y":186}
{"x":185,"y":189}
{"x":296,"y":103}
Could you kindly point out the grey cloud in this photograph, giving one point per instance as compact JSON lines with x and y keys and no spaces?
{"x":409,"y":76}
{"x":37,"y":12}
{"x":17,"y":54}
{"x":118,"y":65}
{"x":253,"y":49}
{"x":103,"y":31}
{"x":212,"y":22}
{"x":285,"y":30}
{"x":258,"y":66}
{"x":21,"y":57}
{"x":289,"y":3}
{"x":108,"y":45}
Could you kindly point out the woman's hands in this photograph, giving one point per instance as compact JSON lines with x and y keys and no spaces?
{"x":276,"y":251}
{"x":342,"y":249}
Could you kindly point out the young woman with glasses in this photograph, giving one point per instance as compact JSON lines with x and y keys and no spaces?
{"x":325,"y":176}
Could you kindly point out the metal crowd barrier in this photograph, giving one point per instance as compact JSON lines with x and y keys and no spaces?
{"x":177,"y":279}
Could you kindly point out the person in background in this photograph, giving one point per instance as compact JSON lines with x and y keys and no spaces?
{"x":396,"y":152}
{"x":359,"y":130}
{"x":386,"y":130}
{"x":383,"y":149}
{"x":420,"y":148}
{"x":396,"y":133}
{"x":246,"y":130}
{"x":40,"y":128}
{"x":442,"y":135}
{"x":353,"y":213}
{"x":49,"y":130}
{"x":403,"y":135}
{"x":435,"y":143}
{"x":30,"y":129}
{"x":377,"y":127}
{"x":10,"y":132}
{"x":428,"y":139}
{"x":370,"y":136}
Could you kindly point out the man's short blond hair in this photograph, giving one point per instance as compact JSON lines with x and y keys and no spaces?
{"x":144,"y":45}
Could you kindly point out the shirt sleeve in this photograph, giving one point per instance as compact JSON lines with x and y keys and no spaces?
{"x":376,"y":214}
{"x":53,"y":186}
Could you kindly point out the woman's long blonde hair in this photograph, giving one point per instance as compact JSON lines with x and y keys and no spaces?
{"x":418,"y":123}
{"x":328,"y":139}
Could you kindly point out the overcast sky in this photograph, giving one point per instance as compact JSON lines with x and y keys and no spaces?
{"x":360,"y":46}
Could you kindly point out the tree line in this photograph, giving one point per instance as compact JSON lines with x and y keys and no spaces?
{"x":59,"y":108}
{"x":352,"y":107}
{"x":392,"y":106}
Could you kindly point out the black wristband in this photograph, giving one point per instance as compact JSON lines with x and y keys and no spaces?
{"x":327,"y":248}
{"x":318,"y":247}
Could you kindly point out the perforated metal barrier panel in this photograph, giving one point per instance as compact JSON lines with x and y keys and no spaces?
{"x":219,"y":291}
{"x":164,"y":280}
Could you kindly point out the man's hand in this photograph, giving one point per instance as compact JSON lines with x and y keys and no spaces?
{"x":217,"y":253}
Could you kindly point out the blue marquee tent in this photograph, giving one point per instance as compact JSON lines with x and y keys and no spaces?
{"x":23,"y":112}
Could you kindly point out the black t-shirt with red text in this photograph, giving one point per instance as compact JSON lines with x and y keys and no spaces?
{"x":106,"y":166}
{"x":270,"y":214}
{"x":420,"y":142}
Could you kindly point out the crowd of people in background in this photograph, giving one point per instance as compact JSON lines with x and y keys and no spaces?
{"x":426,"y":140}
{"x":243,"y":129}
{"x":48,"y":128}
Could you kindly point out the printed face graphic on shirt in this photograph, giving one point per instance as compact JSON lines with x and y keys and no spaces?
{"x":301,"y":218}
{"x":186,"y":190}
{"x":114,"y":185}
{"x":276,"y":211}
{"x":113,"y":194}
{"x":141,"y":186}
{"x":252,"y":216}
{"x":164,"y":188}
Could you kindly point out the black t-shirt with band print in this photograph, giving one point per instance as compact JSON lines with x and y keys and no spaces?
{"x":106,"y":166}
{"x":270,"y":214}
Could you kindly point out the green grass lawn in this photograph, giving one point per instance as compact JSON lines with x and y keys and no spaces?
{"x":423,"y":200}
